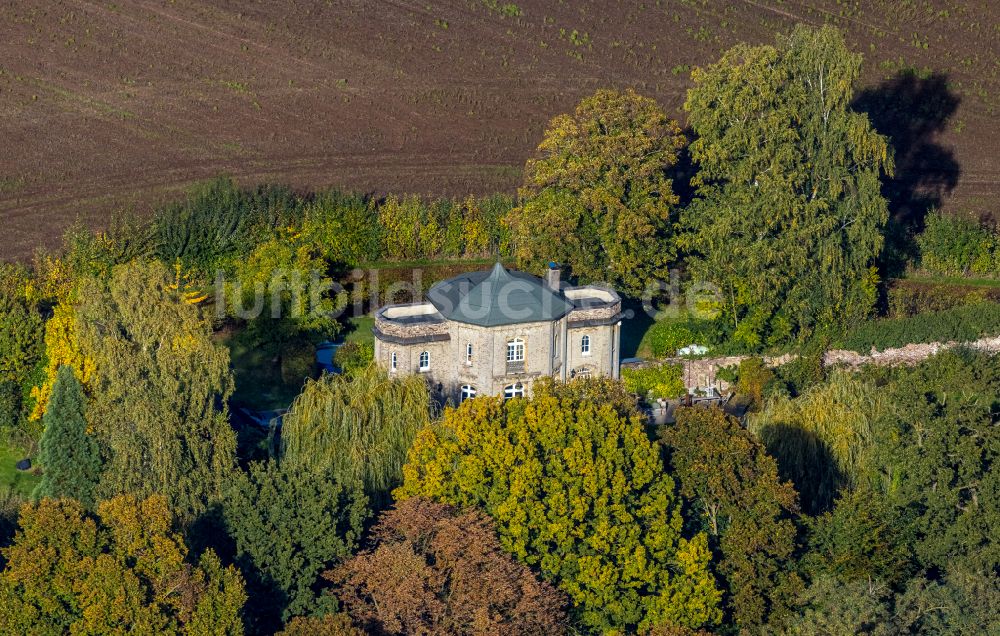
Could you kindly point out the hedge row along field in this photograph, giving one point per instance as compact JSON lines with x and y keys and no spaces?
{"x":961,"y":324}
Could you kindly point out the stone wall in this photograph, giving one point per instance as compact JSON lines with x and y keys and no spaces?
{"x":701,"y":373}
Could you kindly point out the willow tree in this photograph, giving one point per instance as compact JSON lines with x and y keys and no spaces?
{"x":788,"y":217}
{"x":158,"y":382}
{"x":358,"y":427}
{"x":598,"y":197}
{"x":822,"y":438}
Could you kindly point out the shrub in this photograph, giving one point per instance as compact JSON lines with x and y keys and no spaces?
{"x":670,"y":334}
{"x":663,"y":381}
{"x":667,"y":336}
{"x":958,"y":246}
{"x":908,"y":298}
{"x":753,"y":379}
{"x":805,"y":370}
{"x":352,"y":356}
{"x":961,"y":324}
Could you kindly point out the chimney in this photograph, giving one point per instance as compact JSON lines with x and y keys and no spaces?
{"x":552,"y":276}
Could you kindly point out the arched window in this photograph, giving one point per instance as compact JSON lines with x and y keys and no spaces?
{"x":585,"y":345}
{"x":392,"y":361}
{"x":468,"y":392}
{"x":515,"y":350}
{"x":513,"y":391}
{"x":468,"y":353}
{"x":425,"y":361}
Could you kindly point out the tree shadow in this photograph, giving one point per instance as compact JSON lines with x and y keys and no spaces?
{"x":807,"y":461}
{"x":912,"y":110}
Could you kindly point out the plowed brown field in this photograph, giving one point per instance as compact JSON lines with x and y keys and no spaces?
{"x":112,"y":104}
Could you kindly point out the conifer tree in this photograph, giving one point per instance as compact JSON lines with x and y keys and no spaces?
{"x":69,"y":456}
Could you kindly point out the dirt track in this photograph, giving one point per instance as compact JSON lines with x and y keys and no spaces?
{"x":108,"y":105}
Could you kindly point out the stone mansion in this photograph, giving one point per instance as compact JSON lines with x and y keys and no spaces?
{"x":493,"y":332}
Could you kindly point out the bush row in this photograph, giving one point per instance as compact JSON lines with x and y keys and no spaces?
{"x":909,"y":298}
{"x":960,"y":324}
{"x":952,"y":245}
{"x":220,"y":223}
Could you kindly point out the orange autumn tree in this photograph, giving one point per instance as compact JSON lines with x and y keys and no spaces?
{"x":435,"y":570}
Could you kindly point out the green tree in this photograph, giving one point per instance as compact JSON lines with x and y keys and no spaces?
{"x":789,"y":215}
{"x":841,"y":608}
{"x":433,"y":570}
{"x":288,"y":526}
{"x":120,"y":572}
{"x":860,"y":539}
{"x":352,"y":357}
{"x":961,"y":603}
{"x":281,"y":287}
{"x":157,"y":383}
{"x":69,"y":456}
{"x":598,"y":198}
{"x":578,"y":491}
{"x":21,"y":341}
{"x":219,"y":222}
{"x":934,"y":460}
{"x":733,"y":486}
{"x":358,"y":427}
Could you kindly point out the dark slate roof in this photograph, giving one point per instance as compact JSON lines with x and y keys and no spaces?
{"x":490,"y":298}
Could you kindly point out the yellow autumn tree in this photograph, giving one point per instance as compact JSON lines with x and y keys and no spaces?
{"x":598,"y":197}
{"x":578,"y":490}
{"x":120,"y":571}
{"x":477,"y":236}
{"x":159,"y":386}
{"x":62,"y":347}
{"x":400,"y":221}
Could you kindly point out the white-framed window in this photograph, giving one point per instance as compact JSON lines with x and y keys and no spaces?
{"x":468,"y":353}
{"x":515,"y":350}
{"x":425,"y":361}
{"x":468,"y":392}
{"x":585,"y":345}
{"x":513,"y":391}
{"x":392,"y":361}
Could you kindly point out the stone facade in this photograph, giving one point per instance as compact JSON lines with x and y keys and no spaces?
{"x":459,"y":358}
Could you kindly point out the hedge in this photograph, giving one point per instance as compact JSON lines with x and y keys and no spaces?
{"x":960,"y":324}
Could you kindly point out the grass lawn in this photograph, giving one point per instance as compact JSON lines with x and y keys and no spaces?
{"x":359,"y":329}
{"x":10,"y":477}
{"x":953,"y":280}
{"x":635,"y":330}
